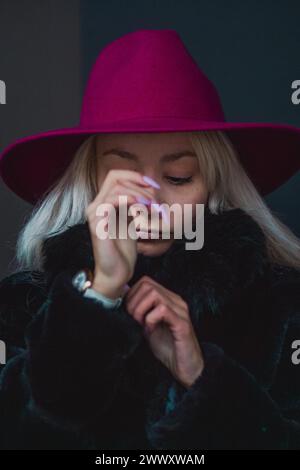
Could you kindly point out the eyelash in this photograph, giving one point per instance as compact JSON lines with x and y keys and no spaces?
{"x":180,"y":181}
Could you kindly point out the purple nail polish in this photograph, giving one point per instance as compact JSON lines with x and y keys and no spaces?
{"x":150,"y":181}
{"x":161,"y":209}
{"x":164,"y":214}
{"x":143,"y":200}
{"x":156,"y":206}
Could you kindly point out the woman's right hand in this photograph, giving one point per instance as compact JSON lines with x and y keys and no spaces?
{"x":115,"y":258}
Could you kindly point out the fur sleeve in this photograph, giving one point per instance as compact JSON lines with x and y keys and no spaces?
{"x":230,"y":406}
{"x":74,"y":357}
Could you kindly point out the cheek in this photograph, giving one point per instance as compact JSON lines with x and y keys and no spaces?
{"x":191,"y":193}
{"x":198,"y":193}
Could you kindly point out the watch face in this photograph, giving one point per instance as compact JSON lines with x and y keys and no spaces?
{"x":79,"y":280}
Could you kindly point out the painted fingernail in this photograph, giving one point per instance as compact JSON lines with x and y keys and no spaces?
{"x":164,"y":214}
{"x":161,"y":209}
{"x":150,"y":181}
{"x":143,"y":200}
{"x":157,"y":206}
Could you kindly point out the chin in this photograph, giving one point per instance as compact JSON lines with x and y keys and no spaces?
{"x":153,"y":247}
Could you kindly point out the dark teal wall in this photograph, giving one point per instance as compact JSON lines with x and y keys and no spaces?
{"x":250,"y":50}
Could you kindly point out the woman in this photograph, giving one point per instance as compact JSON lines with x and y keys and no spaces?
{"x":198,"y":350}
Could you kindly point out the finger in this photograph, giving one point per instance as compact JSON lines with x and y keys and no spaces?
{"x":143,"y":279}
{"x":172,"y":298}
{"x":142,"y":303}
{"x":143,"y":196}
{"x":128,"y":200}
{"x":146,"y":299}
{"x":114,"y":199}
{"x":112,"y":178}
{"x":121,"y":190}
{"x":169,"y":302}
{"x":138,"y":292}
{"x":108,"y":213}
{"x":148,"y":193}
{"x":162,"y":313}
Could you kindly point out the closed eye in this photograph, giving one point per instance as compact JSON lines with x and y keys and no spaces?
{"x":178,"y":181}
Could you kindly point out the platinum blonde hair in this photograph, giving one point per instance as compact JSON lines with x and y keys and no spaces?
{"x":227,"y":183}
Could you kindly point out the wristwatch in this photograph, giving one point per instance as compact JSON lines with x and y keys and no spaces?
{"x":82,"y":281}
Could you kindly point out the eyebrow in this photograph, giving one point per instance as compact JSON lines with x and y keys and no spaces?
{"x":166,"y":158}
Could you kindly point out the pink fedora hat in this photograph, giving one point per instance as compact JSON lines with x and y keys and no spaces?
{"x":147,"y":81}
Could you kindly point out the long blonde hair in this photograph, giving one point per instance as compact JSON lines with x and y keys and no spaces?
{"x":228,"y":187}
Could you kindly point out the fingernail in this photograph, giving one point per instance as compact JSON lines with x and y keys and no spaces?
{"x":150,"y":181}
{"x":143,"y":200}
{"x":156,"y":206}
{"x":164,"y":214}
{"x":162,"y":210}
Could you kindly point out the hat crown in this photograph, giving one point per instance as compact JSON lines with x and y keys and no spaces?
{"x":147,"y":81}
{"x":148,"y":74}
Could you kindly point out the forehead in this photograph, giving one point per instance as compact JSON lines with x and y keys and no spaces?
{"x":166,"y":140}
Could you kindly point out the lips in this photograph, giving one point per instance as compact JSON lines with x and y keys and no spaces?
{"x":149,"y":232}
{"x":151,"y":235}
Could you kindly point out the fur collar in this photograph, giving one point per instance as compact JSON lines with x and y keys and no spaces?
{"x":234,"y":255}
{"x":218,"y":282}
{"x":224,"y":285}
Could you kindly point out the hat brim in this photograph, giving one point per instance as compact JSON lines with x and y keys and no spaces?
{"x":270,"y":153}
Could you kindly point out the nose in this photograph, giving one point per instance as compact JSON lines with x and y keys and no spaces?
{"x":153,"y":186}
{"x":155,"y":191}
{"x":158,"y":210}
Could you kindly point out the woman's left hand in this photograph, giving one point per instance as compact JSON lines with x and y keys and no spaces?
{"x":165,"y":318}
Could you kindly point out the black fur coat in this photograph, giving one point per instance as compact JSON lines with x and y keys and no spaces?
{"x":79,"y":376}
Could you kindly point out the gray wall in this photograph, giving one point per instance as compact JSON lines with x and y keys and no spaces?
{"x":40,"y":61}
{"x":249,"y":49}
